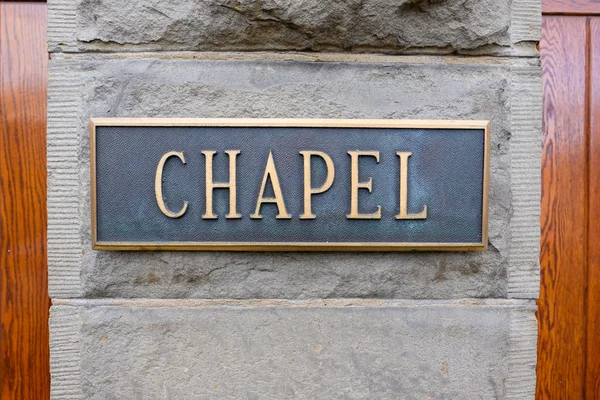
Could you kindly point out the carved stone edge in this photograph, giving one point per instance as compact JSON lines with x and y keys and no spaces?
{"x":526,"y":21}
{"x":65,"y":353}
{"x":64,"y":223}
{"x":526,"y":153}
{"x":522,"y":354}
{"x":62,"y":25}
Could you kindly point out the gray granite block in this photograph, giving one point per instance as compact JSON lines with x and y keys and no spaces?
{"x":507,"y":92}
{"x":393,"y":26}
{"x":331,"y":349}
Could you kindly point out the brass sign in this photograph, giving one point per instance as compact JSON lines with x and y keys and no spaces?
{"x":289,"y":184}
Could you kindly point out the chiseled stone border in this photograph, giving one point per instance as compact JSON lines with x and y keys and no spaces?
{"x":62,"y":25}
{"x":65,"y":326}
{"x":526,"y":21}
{"x":64,"y":222}
{"x":65,"y":355}
{"x":526,"y":155}
{"x":522,"y":354}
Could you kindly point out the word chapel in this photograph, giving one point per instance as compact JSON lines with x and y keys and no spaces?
{"x":270,"y":175}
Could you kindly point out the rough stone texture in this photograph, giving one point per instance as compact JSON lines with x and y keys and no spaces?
{"x":305,"y":350}
{"x":393,"y":26}
{"x":420,"y":88}
{"x":173,"y":58}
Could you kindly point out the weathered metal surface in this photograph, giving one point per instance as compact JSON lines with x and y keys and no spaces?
{"x":141,"y":203}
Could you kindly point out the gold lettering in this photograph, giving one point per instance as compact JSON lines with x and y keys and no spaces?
{"x":158,"y":185}
{"x":271,"y":172}
{"x":404,"y":189}
{"x":356,"y":185}
{"x":308,"y":189}
{"x":231,"y":185}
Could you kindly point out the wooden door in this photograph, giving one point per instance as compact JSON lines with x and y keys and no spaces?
{"x":24,"y":349}
{"x":569,"y":305}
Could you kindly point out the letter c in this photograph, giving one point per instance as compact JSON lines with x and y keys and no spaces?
{"x":158,"y":185}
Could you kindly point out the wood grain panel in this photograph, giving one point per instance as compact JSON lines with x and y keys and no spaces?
{"x":24,"y":353}
{"x":572,"y":7}
{"x":561,"y":342}
{"x":593,"y":292}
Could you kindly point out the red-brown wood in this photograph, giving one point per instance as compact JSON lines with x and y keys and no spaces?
{"x":571,"y":7}
{"x":24,"y":349}
{"x":561,"y":315}
{"x":592,"y":383}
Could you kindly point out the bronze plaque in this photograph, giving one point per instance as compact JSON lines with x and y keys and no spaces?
{"x":289,"y":184}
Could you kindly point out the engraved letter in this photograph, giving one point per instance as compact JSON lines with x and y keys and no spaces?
{"x":404,"y":189}
{"x":231,"y":185}
{"x":308,"y":190}
{"x":158,"y":185}
{"x":355,"y":185}
{"x":271,"y":172}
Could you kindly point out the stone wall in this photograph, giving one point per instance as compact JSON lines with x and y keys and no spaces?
{"x":295,"y":325}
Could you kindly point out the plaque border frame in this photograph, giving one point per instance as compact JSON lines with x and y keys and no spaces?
{"x":287,"y":123}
